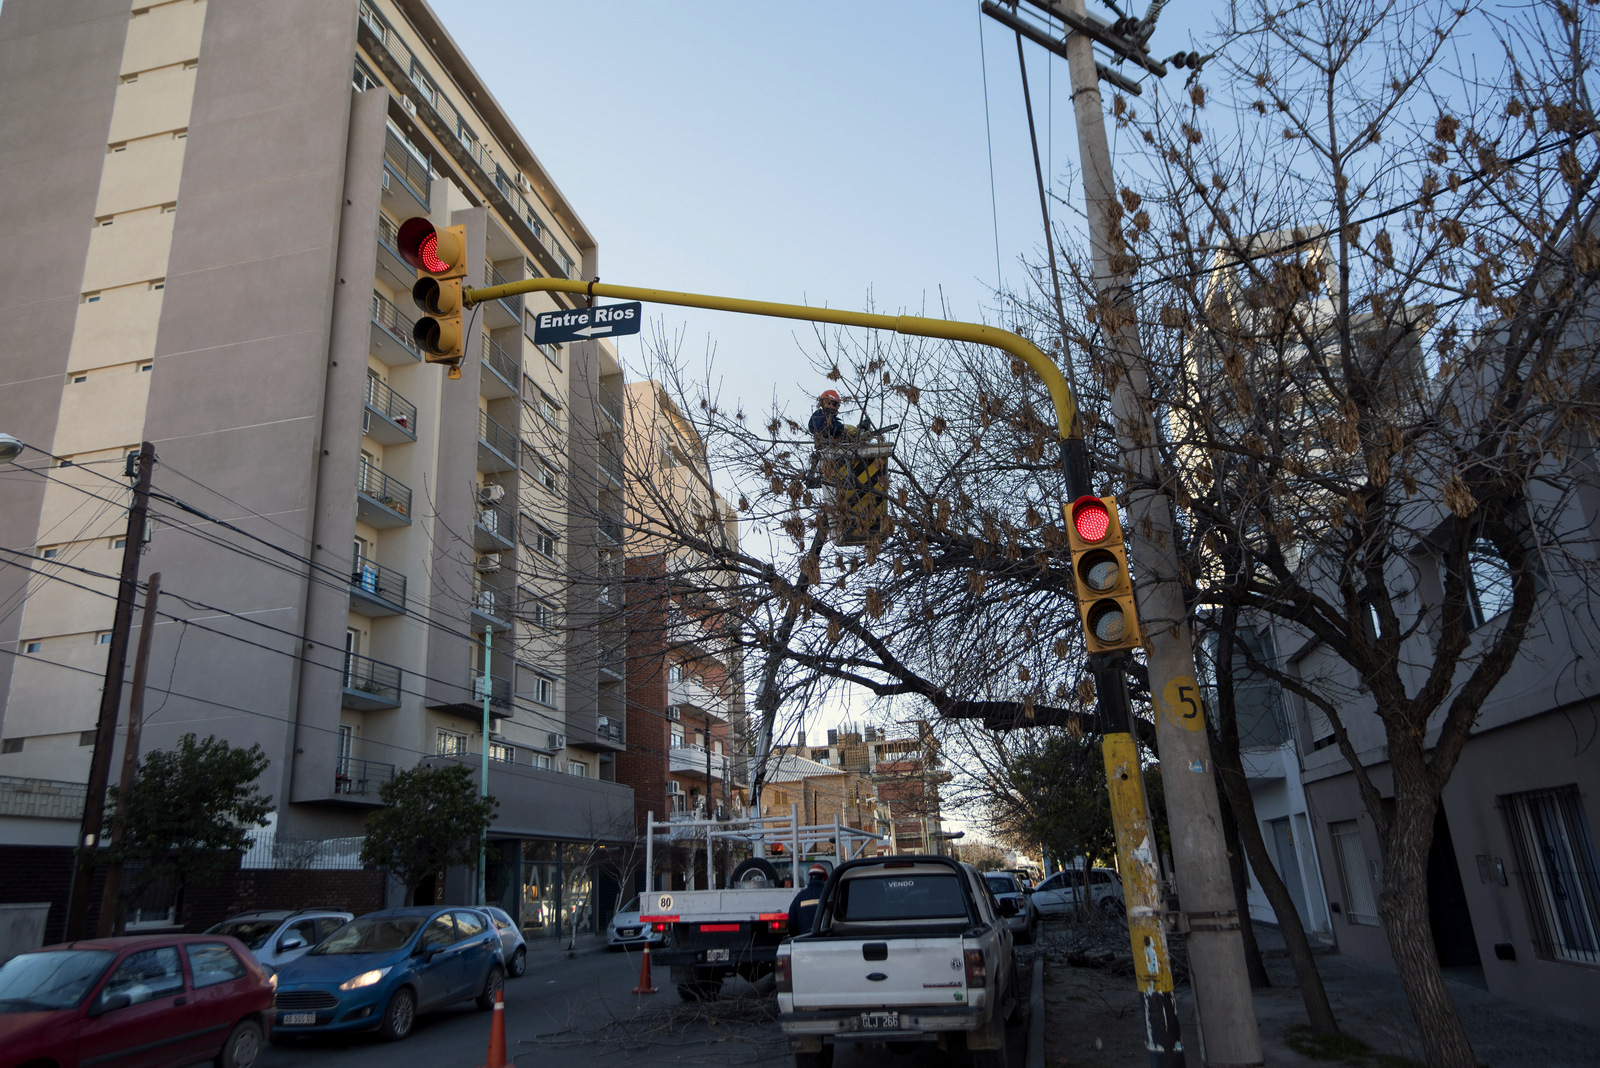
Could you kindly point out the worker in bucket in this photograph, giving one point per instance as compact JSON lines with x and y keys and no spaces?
{"x":803,"y":910}
{"x":825,"y":423}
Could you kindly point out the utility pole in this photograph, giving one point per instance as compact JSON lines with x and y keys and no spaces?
{"x":140,"y":464}
{"x":1216,"y":949}
{"x":110,"y":921}
{"x":483,"y":790}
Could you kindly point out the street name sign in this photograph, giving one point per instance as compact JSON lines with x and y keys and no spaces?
{"x":581,"y":324}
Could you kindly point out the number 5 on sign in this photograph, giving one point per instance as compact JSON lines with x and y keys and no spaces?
{"x":1180,"y":700}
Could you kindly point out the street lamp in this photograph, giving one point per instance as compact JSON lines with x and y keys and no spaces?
{"x":10,"y":448}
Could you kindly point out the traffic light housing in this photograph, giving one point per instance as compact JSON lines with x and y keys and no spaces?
{"x":1100,"y":573}
{"x":440,"y":258}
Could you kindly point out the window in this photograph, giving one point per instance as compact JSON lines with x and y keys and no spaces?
{"x":1488,"y":585}
{"x":212,"y":963}
{"x":537,"y":610}
{"x":505,"y":754}
{"x":1558,"y":872}
{"x":79,"y":378}
{"x":119,"y":543}
{"x":548,"y":408}
{"x":540,"y":760}
{"x":547,"y":476}
{"x":91,"y":298}
{"x":33,"y":647}
{"x":470,"y":924}
{"x":363,"y":79}
{"x":450,"y":743}
{"x":540,"y":540}
{"x":11,"y":745}
{"x":158,"y":284}
{"x":551,"y":353}
{"x":120,"y":146}
{"x":145,"y":976}
{"x":50,"y":553}
{"x":677,"y":737}
{"x":106,"y":221}
{"x":1358,"y":874}
{"x":86,"y":737}
{"x":578,"y":768}
{"x":103,"y":638}
{"x":143,"y":366}
{"x":439,"y":933}
{"x":543,"y":689}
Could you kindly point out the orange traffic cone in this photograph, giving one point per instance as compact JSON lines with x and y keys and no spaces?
{"x":646,"y":986}
{"x":497,"y":1033}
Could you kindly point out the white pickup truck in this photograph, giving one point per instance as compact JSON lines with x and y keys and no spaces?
{"x":905,"y":949}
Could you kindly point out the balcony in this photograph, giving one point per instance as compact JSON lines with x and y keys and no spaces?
{"x":610,"y":410}
{"x":688,"y":692}
{"x":612,"y":659}
{"x":391,"y":419}
{"x":491,"y":607}
{"x":376,"y":590}
{"x":494,"y":529}
{"x":505,"y":312}
{"x":396,"y":271}
{"x":608,"y":733}
{"x":504,"y":376}
{"x":370,"y":684}
{"x":691,"y":760}
{"x":360,"y":780}
{"x":381,"y":501}
{"x":497,"y":446}
{"x":610,"y":527}
{"x":391,"y":334}
{"x":499,"y":689}
{"x":407,"y":185}
{"x":611,"y":463}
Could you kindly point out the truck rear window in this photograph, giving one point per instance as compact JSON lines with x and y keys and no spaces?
{"x":909,"y":896}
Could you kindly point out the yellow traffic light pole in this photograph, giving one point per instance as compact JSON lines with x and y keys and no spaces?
{"x":1136,"y":844}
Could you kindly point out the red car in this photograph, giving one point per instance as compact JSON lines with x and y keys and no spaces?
{"x":157,"y":1001}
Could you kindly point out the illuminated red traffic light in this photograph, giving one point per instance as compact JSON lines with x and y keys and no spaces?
{"x":431,"y":250}
{"x":1091,"y":518}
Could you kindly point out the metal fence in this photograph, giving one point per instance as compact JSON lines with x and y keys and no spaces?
{"x":271,"y":850}
{"x":47,"y":799}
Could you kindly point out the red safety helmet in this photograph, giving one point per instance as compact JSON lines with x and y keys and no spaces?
{"x":817,"y":869}
{"x":828,"y":395}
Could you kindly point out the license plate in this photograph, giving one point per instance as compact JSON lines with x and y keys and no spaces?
{"x":880,"y":1021}
{"x":297,"y":1019}
{"x":716,"y":954}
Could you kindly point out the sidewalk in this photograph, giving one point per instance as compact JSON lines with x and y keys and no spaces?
{"x":546,"y":950}
{"x":1370,"y":1004}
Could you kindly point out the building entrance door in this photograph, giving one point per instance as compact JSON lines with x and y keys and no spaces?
{"x":1451,"y":920}
{"x":1289,"y":865}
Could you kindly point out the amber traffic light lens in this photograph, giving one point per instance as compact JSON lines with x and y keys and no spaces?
{"x":1099,"y":570}
{"x":1091,"y":520}
{"x":1107,"y":622}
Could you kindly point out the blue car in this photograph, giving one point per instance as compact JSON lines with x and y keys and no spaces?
{"x":377,"y":972}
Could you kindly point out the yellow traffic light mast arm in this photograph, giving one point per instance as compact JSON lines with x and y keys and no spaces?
{"x":1061,"y":397}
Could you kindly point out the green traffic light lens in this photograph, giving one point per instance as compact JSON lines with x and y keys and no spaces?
{"x":1107,"y":622}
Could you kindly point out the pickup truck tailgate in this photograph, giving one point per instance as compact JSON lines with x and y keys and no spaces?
{"x":906,"y":971}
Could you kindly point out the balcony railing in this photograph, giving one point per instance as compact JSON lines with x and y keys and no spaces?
{"x":610,"y":528}
{"x":386,"y":315}
{"x":384,"y":491}
{"x":370,"y":683}
{"x":611,"y":407}
{"x":361,"y":778}
{"x":498,"y":438}
{"x":608,"y":729}
{"x":403,"y":67}
{"x":493,"y":277}
{"x":494,"y":528}
{"x":372,"y":582}
{"x":501,"y":363}
{"x":493,"y":605}
{"x":498,"y":686}
{"x":611,"y":463}
{"x":384,"y":401}
{"x":688,"y":759}
{"x":612,"y":659}
{"x":403,"y":162}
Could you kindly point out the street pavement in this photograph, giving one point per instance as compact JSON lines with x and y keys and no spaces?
{"x":580,"y":1012}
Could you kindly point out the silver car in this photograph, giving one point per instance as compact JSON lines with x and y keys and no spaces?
{"x":512,"y":945}
{"x":1024,"y":924}
{"x":628,"y":930}
{"x":1058,"y":895}
{"x":277,"y":936}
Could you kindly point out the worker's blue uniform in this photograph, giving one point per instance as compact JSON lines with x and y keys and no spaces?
{"x":803,"y":910}
{"x":825,"y":423}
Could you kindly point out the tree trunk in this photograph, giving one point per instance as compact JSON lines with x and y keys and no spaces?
{"x":1259,"y":980}
{"x":1403,"y":906}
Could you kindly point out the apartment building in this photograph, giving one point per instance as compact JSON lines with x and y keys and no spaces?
{"x":685,"y":686}
{"x":822,"y":793}
{"x":355,"y":551}
{"x":906,"y":773}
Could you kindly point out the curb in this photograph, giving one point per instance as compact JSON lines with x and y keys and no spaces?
{"x":550,"y":955}
{"x":1035,"y":1057}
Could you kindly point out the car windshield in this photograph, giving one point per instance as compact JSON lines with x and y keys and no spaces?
{"x":1002,"y":884}
{"x":370,"y":934}
{"x":921,"y":895}
{"x":631,"y":906}
{"x":253,"y":933}
{"x":59,"y":979}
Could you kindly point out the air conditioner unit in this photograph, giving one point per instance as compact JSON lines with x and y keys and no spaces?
{"x":488,"y":562}
{"x":409,"y":104}
{"x":491,"y":493}
{"x":523,"y":183}
{"x":557,"y":741}
{"x":674,"y":787}
{"x":673,"y":714}
{"x":603,"y":724}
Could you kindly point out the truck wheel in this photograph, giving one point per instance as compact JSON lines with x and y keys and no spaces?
{"x":821,"y":1059}
{"x":755,"y":873}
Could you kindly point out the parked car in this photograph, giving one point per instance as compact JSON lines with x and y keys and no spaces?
{"x":1058,"y":895}
{"x":378,"y":971}
{"x":628,"y":930}
{"x":277,"y":936}
{"x":513,"y":947}
{"x":155,"y":1001}
{"x":1024,"y":923}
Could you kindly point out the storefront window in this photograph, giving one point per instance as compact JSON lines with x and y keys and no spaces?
{"x":541,"y":889}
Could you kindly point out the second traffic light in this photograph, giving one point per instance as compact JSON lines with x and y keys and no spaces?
{"x":1100,"y":572}
{"x":440,"y":258}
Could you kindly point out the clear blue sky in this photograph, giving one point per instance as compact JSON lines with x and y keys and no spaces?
{"x":808,"y":152}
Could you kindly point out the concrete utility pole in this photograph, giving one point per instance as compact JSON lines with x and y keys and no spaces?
{"x":141,"y":464}
{"x":110,"y":922}
{"x":1216,"y":950}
